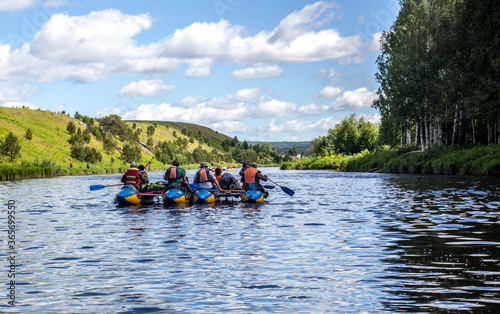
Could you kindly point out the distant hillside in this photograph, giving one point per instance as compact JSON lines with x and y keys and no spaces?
{"x":284,"y":147}
{"x":50,"y":137}
{"x":49,"y":151}
{"x":194,"y":128}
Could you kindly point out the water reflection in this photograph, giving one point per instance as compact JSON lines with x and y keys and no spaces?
{"x":446,"y":245}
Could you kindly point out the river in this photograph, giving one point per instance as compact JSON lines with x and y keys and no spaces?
{"x":344,"y":243}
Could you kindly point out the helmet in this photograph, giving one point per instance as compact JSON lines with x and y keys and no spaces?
{"x":203,"y":164}
{"x":253,"y":164}
{"x":133,"y":165}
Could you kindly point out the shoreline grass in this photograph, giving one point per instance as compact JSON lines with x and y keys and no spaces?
{"x":46,"y":168}
{"x":480,"y":160}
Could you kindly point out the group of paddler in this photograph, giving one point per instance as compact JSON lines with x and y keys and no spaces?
{"x":207,"y":187}
{"x":176,"y":178}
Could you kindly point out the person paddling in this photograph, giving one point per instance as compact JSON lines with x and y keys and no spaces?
{"x":134,"y":177}
{"x":218,"y":173}
{"x":252,"y":177}
{"x":176,"y":177}
{"x":244,"y":167}
{"x":144,"y":172}
{"x":205,"y":178}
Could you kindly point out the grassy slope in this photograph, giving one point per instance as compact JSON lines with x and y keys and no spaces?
{"x":50,"y":140}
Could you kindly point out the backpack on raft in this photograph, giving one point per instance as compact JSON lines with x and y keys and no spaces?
{"x":150,"y":187}
{"x":228,"y":182}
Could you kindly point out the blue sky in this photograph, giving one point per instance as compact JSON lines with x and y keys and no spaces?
{"x":279,"y":70}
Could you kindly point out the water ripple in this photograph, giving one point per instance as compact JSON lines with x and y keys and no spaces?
{"x":345,"y":242}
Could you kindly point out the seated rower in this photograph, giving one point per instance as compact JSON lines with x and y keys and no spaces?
{"x":218,"y":173}
{"x":205,"y":178}
{"x":134,"y":177}
{"x":252,"y":177}
{"x":177,"y":178}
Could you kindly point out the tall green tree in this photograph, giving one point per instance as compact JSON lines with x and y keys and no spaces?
{"x":108,"y":143}
{"x":113,"y":124}
{"x":71,"y":128}
{"x":29,"y":134}
{"x":350,"y":136}
{"x":131,"y":152}
{"x":11,"y":147}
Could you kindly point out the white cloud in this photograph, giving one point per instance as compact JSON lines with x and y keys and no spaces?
{"x":313,"y":109}
{"x":247,"y":94}
{"x":146,"y":88}
{"x":228,"y":127}
{"x":308,"y":47}
{"x":374,"y":45}
{"x":13,"y":92}
{"x":4,"y":52}
{"x":374,"y":118}
{"x":86,"y":48}
{"x":329,"y":92}
{"x":300,"y":22}
{"x":102,"y":43}
{"x":298,"y":126}
{"x":13,"y":5}
{"x":293,"y":40}
{"x":199,"y":68}
{"x":327,"y":75}
{"x":325,"y":124}
{"x":201,"y":40}
{"x":108,"y":111}
{"x":15,"y":104}
{"x":355,"y":100}
{"x":259,"y":71}
{"x":244,"y":105}
{"x":272,"y":108}
{"x":100,"y":36}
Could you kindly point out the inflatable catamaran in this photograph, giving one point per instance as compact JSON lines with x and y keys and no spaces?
{"x":129,"y":196}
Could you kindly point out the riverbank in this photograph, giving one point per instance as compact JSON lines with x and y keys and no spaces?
{"x":481,"y":160}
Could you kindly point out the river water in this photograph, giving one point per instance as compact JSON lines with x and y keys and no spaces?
{"x":344,"y":243}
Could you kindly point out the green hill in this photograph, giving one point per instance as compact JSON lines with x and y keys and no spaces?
{"x":49,"y":151}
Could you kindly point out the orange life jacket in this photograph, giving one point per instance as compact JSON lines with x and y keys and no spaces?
{"x":250,"y":174}
{"x":173,"y":173}
{"x":203,"y":176}
{"x":132,"y":176}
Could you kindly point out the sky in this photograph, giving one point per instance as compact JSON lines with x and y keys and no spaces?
{"x":261,"y":70}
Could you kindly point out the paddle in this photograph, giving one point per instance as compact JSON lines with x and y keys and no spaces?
{"x":284,"y":188}
{"x":269,"y":187}
{"x":98,"y":187}
{"x":194,"y":186}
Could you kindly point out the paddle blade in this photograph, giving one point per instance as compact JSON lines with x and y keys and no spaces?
{"x":97,"y":187}
{"x":287,"y":190}
{"x":269,"y":187}
{"x":194,"y":186}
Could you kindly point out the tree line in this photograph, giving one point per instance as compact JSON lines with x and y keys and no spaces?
{"x":439,"y":74}
{"x":111,"y":128}
{"x":352,"y":135}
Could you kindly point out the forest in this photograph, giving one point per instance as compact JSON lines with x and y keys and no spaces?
{"x":439,"y":74}
{"x":438,"y":97}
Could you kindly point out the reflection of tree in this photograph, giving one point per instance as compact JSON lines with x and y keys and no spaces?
{"x":445,"y":245}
